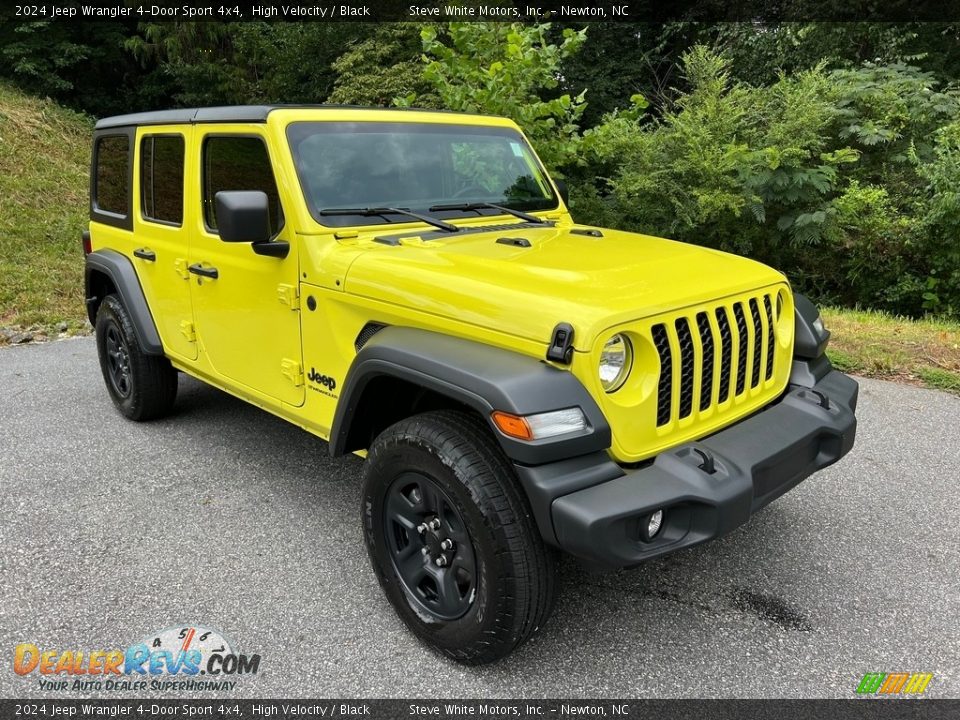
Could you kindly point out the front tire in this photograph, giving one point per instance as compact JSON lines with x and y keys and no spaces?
{"x":142,"y":387}
{"x":452,"y":540}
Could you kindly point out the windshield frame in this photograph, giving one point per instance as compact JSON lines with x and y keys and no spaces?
{"x":294,"y":128}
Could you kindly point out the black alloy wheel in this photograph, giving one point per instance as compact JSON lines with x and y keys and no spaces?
{"x":118,"y":360}
{"x":430,"y":547}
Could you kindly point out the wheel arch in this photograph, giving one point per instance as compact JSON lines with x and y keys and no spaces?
{"x":386,"y":399}
{"x":402,"y":371}
{"x":108,"y":271}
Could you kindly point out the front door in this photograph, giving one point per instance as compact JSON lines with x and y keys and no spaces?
{"x":247,"y":317}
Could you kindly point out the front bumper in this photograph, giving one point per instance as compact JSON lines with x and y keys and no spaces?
{"x":593,"y":508}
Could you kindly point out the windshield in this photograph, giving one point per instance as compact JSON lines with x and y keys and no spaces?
{"x":361,"y":165}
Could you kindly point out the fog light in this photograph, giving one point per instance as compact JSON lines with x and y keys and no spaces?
{"x":650,"y":525}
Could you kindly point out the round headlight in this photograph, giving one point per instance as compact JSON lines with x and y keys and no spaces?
{"x":615,"y":362}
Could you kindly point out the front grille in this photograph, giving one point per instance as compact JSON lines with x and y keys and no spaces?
{"x":706,"y":338}
{"x":726,"y":353}
{"x":686,"y":367}
{"x":713,"y":356}
{"x":664,"y":389}
{"x":742,"y":350}
{"x":766,"y":305}
{"x":757,"y":342}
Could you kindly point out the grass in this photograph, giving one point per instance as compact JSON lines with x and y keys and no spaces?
{"x":44,"y":157}
{"x":877,"y":344}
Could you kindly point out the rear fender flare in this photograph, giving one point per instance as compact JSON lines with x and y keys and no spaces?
{"x":123,"y":276}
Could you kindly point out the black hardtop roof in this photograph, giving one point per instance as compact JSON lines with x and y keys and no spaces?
{"x":228,"y":114}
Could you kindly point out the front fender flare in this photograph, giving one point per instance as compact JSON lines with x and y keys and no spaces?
{"x":482,"y":377}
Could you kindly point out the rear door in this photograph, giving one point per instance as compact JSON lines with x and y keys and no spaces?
{"x":160,"y":237}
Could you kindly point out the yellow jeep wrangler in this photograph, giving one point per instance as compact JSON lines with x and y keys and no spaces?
{"x":410,"y":286}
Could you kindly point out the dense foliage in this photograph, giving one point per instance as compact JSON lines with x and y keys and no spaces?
{"x":831,"y":151}
{"x":501,"y":69}
{"x":845,"y":179}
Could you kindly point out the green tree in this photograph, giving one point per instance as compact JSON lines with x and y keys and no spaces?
{"x":199,"y":59}
{"x":73,"y":63}
{"x":759,"y":50}
{"x":616,"y":61}
{"x":507,"y":69}
{"x":729,"y":165}
{"x":380,"y":65}
{"x":211,"y":63}
{"x":292,"y":62}
{"x":846,"y":179}
{"x":941,"y":219}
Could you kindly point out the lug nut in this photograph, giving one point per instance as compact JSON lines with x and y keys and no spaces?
{"x":435,"y":524}
{"x":425,"y":551}
{"x":447,"y":544}
{"x":441,"y":561}
{"x":422,"y":528}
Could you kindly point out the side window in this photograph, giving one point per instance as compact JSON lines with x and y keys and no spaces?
{"x":161,"y":178}
{"x":238,"y":163}
{"x":112,"y":188}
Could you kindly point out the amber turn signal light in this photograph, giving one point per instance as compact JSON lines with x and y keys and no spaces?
{"x":512,"y":425}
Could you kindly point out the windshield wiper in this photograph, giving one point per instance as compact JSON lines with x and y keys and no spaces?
{"x":365,"y":212}
{"x":485,"y":205}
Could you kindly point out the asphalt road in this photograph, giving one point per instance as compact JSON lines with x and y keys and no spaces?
{"x":227,"y":517}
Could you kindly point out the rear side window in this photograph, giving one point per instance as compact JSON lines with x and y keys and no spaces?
{"x":238,"y":163}
{"x":112,"y":177}
{"x":161,"y":178}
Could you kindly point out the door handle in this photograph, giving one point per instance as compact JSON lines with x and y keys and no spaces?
{"x":198,"y":269}
{"x":144,"y":254}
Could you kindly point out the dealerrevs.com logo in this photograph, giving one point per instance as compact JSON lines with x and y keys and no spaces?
{"x":178,"y":658}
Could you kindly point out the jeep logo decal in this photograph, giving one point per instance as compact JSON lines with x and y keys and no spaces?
{"x":328,"y":382}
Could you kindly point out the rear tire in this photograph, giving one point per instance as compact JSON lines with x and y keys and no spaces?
{"x":438,"y":487}
{"x":143,"y":387}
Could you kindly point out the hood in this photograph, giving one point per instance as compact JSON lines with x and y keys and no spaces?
{"x":591,"y":282}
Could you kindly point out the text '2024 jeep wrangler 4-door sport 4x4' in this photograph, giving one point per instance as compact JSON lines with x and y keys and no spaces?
{"x":410,"y":285}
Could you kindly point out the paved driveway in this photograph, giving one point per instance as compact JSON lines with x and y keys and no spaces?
{"x":226,"y":517}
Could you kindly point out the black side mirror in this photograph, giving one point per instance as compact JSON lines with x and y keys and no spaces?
{"x":564,"y":192}
{"x":243,"y":216}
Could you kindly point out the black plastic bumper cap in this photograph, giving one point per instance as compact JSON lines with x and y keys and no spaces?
{"x":754,"y":462}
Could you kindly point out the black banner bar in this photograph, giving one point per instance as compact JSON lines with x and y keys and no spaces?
{"x":571,"y":11}
{"x":854,"y":709}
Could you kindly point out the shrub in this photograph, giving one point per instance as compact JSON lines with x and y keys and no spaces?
{"x":841,"y":179}
{"x":506,"y":69}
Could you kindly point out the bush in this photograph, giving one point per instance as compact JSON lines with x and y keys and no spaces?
{"x":506,"y":69}
{"x":941,"y":243}
{"x":841,"y":179}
